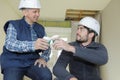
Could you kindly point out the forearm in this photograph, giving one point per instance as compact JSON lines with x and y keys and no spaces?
{"x":60,"y":69}
{"x":71,"y":49}
{"x":61,"y":73}
{"x":19,"y":46}
{"x":94,"y":56}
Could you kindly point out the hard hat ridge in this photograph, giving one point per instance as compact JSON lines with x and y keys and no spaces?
{"x":29,"y":4}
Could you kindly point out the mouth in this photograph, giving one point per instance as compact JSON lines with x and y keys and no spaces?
{"x":36,"y":18}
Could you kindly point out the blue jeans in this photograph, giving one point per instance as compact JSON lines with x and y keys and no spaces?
{"x":33,"y":72}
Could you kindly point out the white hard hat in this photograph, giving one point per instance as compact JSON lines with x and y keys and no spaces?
{"x":29,"y":4}
{"x":90,"y":23}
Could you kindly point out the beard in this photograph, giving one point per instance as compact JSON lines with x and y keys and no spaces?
{"x":82,"y":40}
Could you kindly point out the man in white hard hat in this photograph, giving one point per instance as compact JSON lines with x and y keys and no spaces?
{"x":84,"y":56}
{"x":24,"y":41}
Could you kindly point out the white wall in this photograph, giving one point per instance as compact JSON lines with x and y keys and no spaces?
{"x":111,"y":38}
{"x":6,"y":13}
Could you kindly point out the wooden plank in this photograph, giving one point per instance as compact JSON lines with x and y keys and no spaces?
{"x":74,"y":14}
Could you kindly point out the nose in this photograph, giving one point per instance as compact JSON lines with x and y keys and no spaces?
{"x":77,"y":32}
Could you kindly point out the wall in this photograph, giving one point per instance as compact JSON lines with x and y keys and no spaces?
{"x":6,"y":13}
{"x":111,"y":38}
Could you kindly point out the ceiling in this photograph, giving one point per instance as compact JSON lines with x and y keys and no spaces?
{"x":55,"y":9}
{"x":76,"y":15}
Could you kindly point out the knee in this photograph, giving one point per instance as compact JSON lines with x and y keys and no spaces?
{"x":47,"y":76}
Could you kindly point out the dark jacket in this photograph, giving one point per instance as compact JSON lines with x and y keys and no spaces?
{"x":25,"y":59}
{"x":84,"y":64}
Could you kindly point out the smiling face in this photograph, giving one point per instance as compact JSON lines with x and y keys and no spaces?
{"x":31,"y":15}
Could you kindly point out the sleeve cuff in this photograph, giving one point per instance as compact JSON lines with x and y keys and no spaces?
{"x":33,"y":47}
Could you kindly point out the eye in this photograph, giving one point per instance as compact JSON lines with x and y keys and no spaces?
{"x":34,"y":11}
{"x":81,"y":28}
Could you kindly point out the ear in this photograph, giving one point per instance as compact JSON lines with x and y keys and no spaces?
{"x":91,"y":35}
{"x":24,"y":12}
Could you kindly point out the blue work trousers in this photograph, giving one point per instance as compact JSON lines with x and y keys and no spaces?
{"x":33,"y":72}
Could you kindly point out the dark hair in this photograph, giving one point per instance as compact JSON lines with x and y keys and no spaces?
{"x":91,"y":31}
